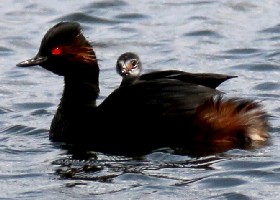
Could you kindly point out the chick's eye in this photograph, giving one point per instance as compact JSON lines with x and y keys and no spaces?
{"x":56,"y":51}
{"x":134,"y":62}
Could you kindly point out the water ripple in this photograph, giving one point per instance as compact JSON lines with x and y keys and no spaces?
{"x":220,"y":182}
{"x":274,"y":29}
{"x":246,"y":164}
{"x":243,"y":51}
{"x":33,"y":106}
{"x":197,"y":2}
{"x":100,"y":168}
{"x":106,"y":4}
{"x":273,"y":53}
{"x":19,"y":176}
{"x":231,"y":195}
{"x":5,"y":110}
{"x":41,"y":112}
{"x":239,"y":53}
{"x":5,"y":51}
{"x":132,"y":16}
{"x":205,"y":33}
{"x":23,"y":130}
{"x":258,"y":67}
{"x":267,"y":86}
{"x":81,"y":17}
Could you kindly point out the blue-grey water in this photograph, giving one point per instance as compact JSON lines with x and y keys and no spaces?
{"x":223,"y":36}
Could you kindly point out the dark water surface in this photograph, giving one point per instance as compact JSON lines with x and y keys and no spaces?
{"x":223,"y":36}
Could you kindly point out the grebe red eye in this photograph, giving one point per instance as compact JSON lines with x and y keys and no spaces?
{"x":56,"y":51}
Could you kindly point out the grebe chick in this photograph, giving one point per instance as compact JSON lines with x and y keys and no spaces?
{"x":129,"y":67}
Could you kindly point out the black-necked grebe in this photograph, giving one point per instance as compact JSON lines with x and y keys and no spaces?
{"x":152,"y":113}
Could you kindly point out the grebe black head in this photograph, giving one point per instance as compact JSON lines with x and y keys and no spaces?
{"x":62,"y":50}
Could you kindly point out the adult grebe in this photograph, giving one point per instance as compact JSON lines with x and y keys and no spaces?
{"x":149,"y":114}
